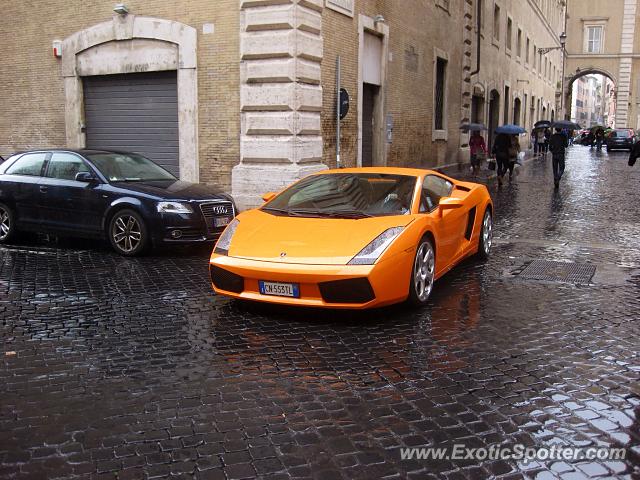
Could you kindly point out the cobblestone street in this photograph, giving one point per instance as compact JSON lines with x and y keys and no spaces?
{"x":131,"y":368}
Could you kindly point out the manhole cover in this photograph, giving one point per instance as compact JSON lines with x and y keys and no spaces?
{"x":580,"y":273}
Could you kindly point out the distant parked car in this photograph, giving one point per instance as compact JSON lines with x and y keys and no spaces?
{"x":621,"y":139}
{"x":123,"y":197}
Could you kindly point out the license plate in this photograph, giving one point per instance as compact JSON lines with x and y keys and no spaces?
{"x":221,"y":221}
{"x":279,"y":289}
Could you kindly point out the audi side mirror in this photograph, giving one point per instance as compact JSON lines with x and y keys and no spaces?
{"x":87,"y":177}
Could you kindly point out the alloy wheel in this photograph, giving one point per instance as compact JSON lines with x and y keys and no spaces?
{"x":126,"y":233}
{"x":423,"y":271}
{"x":487,"y":232}
{"x":5,"y":223}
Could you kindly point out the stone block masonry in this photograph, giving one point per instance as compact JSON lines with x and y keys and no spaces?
{"x":280,"y":96}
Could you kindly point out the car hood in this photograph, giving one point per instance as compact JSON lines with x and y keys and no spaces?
{"x":315,"y":241}
{"x":174,"y":190}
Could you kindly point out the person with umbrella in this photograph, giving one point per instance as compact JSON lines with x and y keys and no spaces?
{"x":557,"y":144}
{"x":478,"y":150}
{"x":505,"y":149}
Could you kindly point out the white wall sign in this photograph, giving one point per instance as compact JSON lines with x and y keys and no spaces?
{"x":342,"y":6}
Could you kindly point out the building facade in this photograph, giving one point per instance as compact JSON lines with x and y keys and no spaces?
{"x":242,"y":93}
{"x":603,"y":38}
{"x":517,"y":82}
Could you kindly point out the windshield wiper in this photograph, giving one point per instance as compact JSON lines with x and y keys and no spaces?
{"x":285,"y":211}
{"x":347,"y":214}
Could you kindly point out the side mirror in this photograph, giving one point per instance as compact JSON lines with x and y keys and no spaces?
{"x":448,"y":203}
{"x":268,"y":196}
{"x":86,"y":177}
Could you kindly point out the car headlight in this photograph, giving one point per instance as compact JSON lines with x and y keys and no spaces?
{"x":224,"y":242}
{"x":174,"y":207}
{"x":369,"y":254}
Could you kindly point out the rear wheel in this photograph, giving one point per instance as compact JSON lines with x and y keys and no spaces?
{"x":486,"y":236}
{"x":7,"y":224}
{"x":128,"y":233}
{"x":423,"y":273}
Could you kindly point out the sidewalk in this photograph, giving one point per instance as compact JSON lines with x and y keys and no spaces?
{"x":462,"y":171}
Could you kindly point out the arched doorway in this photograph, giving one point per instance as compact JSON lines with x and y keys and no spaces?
{"x":108,"y":58}
{"x":591,"y":98}
{"x":494,"y":114}
{"x":517,"y":106}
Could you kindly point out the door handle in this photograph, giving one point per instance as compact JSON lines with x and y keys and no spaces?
{"x":43,"y":189}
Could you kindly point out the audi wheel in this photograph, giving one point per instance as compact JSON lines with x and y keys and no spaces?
{"x":128,"y":233}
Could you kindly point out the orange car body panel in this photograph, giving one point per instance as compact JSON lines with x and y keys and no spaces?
{"x":318,"y":249}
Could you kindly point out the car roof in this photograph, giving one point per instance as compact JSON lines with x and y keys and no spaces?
{"x":81,"y":151}
{"x":414,"y":172}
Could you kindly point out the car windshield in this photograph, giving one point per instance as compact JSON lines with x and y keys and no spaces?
{"x":128,"y":167}
{"x":346,"y":195}
{"x":621,"y":133}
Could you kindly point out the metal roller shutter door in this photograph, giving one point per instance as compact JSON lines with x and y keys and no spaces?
{"x":136,"y":112}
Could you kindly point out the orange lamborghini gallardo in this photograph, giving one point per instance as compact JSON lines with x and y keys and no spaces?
{"x":353,"y":238}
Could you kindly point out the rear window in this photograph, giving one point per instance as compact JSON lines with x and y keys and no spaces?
{"x":29,"y":164}
{"x":621,"y":133}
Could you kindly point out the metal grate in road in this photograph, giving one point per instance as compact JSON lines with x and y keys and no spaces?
{"x":580,"y":273}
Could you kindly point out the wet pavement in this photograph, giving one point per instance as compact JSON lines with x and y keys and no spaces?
{"x":131,"y":368}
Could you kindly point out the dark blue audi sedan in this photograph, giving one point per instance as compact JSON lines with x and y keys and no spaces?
{"x":123,"y":197}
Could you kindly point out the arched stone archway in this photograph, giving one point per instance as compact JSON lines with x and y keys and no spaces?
{"x":578,"y":73}
{"x":132,"y":44}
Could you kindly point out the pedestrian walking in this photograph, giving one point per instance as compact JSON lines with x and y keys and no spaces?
{"x":478,"y":149}
{"x":539,"y":141}
{"x":501,"y":148}
{"x":547,"y":136}
{"x":634,"y":153}
{"x":599,"y":138}
{"x":558,"y":144}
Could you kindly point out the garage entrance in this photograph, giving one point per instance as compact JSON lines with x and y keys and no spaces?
{"x":137,"y":112}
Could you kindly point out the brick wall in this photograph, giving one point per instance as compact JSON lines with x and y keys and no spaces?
{"x":32,"y":99}
{"x":415,"y":28}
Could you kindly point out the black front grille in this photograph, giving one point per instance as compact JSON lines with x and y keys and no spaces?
{"x":352,"y":290}
{"x":226,"y":280}
{"x":211,"y":210}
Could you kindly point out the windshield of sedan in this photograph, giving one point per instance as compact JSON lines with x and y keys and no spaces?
{"x":346,"y":195}
{"x":128,"y":167}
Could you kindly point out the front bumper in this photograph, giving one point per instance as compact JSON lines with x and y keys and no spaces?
{"x":189,"y":228}
{"x":389,"y":281}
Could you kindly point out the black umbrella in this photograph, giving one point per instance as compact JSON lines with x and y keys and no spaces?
{"x":542,"y":124}
{"x":566,"y":124}
{"x":468,"y":127}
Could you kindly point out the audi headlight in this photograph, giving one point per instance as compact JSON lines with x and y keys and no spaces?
{"x":369,"y":254}
{"x":224,"y":242}
{"x":174,"y":207}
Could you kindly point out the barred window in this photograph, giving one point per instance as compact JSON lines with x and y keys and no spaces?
{"x":441,"y":77}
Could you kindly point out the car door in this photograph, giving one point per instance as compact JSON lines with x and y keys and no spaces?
{"x":67,"y":204}
{"x":450,"y":223}
{"x":19,"y":188}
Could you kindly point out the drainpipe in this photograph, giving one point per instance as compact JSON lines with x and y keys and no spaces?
{"x":478,"y":37}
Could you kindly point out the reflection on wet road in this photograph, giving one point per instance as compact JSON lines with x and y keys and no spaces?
{"x":132,"y":367}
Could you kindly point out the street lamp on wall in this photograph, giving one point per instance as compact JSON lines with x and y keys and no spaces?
{"x":563,"y":42}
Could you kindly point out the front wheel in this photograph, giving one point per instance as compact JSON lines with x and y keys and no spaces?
{"x":423,"y":273}
{"x":128,"y":233}
{"x":486,"y":236}
{"x":7,"y":224}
